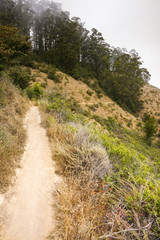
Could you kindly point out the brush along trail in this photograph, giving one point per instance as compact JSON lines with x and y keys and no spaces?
{"x":27,"y":210}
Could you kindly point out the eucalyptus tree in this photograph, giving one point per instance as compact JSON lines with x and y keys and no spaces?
{"x":94,"y":50}
{"x":68,"y":42}
{"x":7,"y":12}
{"x":126,"y":81}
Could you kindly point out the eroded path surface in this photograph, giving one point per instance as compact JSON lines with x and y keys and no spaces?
{"x":27,"y":207}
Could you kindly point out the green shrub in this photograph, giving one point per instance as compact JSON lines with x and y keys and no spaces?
{"x":57,"y":78}
{"x":36,"y":91}
{"x":52,"y":75}
{"x":93,"y":107}
{"x":89,"y":92}
{"x":26,"y":60}
{"x":158,"y":121}
{"x":1,"y":67}
{"x":99,"y":94}
{"x":21,"y":76}
{"x":129,"y":123}
{"x":2,"y":96}
{"x":60,"y":107}
{"x":44,"y":85}
{"x":139,"y":124}
{"x":44,"y":69}
{"x":150,"y":128}
{"x":158,"y":144}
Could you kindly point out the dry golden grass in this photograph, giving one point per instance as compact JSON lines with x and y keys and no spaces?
{"x":104,"y":106}
{"x":77,"y":90}
{"x":151,"y":98}
{"x":87,"y":207}
{"x":12,"y":135}
{"x":97,"y":210}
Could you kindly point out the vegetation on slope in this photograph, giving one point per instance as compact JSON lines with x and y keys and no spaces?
{"x":111,"y":175}
{"x":91,"y":103}
{"x":124,"y":202}
{"x":151,"y":103}
{"x":12,"y":135}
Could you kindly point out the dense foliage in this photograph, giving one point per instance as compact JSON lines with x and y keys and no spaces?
{"x":12,"y":43}
{"x":150,"y":127}
{"x":65,"y":43}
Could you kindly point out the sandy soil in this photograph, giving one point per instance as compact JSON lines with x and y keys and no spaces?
{"x":27,"y":210}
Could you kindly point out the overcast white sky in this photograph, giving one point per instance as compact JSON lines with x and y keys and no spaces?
{"x":130,"y":24}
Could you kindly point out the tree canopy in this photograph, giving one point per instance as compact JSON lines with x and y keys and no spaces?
{"x":150,"y":128}
{"x":12,"y":43}
{"x":67,"y":44}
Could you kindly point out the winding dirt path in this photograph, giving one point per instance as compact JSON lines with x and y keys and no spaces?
{"x":27,"y":207}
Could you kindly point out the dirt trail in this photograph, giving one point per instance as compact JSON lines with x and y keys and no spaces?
{"x":27,"y":207}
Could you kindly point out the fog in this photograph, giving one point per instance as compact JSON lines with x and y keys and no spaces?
{"x":126,"y":24}
{"x":39,"y":6}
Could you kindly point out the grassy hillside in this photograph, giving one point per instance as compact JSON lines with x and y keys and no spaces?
{"x":151,"y":102}
{"x":123,"y":204}
{"x":86,"y":98}
{"x":111,"y":175}
{"x":109,"y":159}
{"x":12,"y":135}
{"x":98,"y":104}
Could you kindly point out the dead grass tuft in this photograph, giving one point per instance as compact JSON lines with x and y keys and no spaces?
{"x":99,"y":210}
{"x":77,"y":153}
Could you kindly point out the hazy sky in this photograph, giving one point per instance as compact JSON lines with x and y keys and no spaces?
{"x":130,"y":24}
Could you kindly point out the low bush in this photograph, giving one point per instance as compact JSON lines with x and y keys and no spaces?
{"x":53,"y":75}
{"x":83,"y":156}
{"x":20,"y":76}
{"x":27,"y":60}
{"x":61,"y":115}
{"x":2,"y":101}
{"x":89,"y":92}
{"x":109,"y":123}
{"x":93,"y":107}
{"x":150,"y":128}
{"x":43,"y":68}
{"x":35,"y":91}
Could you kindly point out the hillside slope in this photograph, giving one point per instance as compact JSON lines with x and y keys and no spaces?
{"x":123,"y":203}
{"x":151,"y":99}
{"x":103,"y":106}
{"x":12,"y":135}
{"x":109,"y":171}
{"x":87,"y":98}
